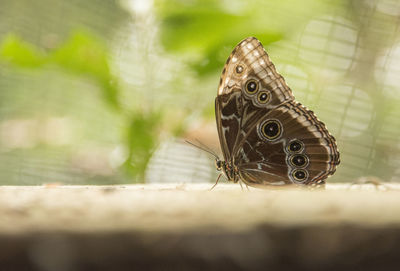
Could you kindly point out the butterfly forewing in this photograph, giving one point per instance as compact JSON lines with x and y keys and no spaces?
{"x":264,"y":133}
{"x":249,"y":60}
{"x":237,"y":109}
{"x":228,"y":121}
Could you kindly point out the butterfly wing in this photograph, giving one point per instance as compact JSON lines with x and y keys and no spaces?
{"x":253,"y":103}
{"x":287,"y":145}
{"x":249,"y":88}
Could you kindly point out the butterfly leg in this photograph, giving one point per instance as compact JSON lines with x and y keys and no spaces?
{"x":219,"y":176}
{"x":241,"y":186}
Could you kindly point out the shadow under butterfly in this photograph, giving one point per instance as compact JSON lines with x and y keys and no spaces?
{"x":266,"y":137}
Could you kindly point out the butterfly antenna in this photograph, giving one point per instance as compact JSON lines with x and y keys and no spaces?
{"x":202,"y":147}
{"x":206,"y":147}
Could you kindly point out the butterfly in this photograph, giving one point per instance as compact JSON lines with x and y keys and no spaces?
{"x":266,"y":137}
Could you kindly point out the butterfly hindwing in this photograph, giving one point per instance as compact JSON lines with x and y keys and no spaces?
{"x":290,"y":145}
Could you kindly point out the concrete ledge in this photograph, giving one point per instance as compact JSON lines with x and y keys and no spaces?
{"x":187,"y":227}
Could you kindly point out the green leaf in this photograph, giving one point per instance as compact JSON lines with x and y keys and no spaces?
{"x":141,"y":142}
{"x":20,"y":53}
{"x":206,"y":31}
{"x":85,"y":54}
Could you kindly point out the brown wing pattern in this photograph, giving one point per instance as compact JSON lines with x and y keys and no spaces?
{"x":228,"y":115}
{"x":237,"y":109}
{"x":262,"y":160}
{"x":254,"y":61}
{"x":253,"y":96}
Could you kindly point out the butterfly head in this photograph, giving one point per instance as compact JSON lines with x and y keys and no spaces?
{"x":219,"y":164}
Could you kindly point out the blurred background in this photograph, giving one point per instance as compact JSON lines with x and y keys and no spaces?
{"x":106,"y":91}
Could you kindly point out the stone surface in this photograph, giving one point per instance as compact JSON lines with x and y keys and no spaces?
{"x":187,"y":227}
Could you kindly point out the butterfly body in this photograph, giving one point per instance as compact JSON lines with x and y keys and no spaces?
{"x":230,"y":172}
{"x":267,"y":138}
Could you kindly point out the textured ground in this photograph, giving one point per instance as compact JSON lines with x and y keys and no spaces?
{"x":187,"y":227}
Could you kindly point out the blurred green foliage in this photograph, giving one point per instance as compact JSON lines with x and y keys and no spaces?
{"x":141,"y":138}
{"x":85,"y":55}
{"x":122,"y":75}
{"x":82,"y":54}
{"x":20,"y":53}
{"x":208,"y":30}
